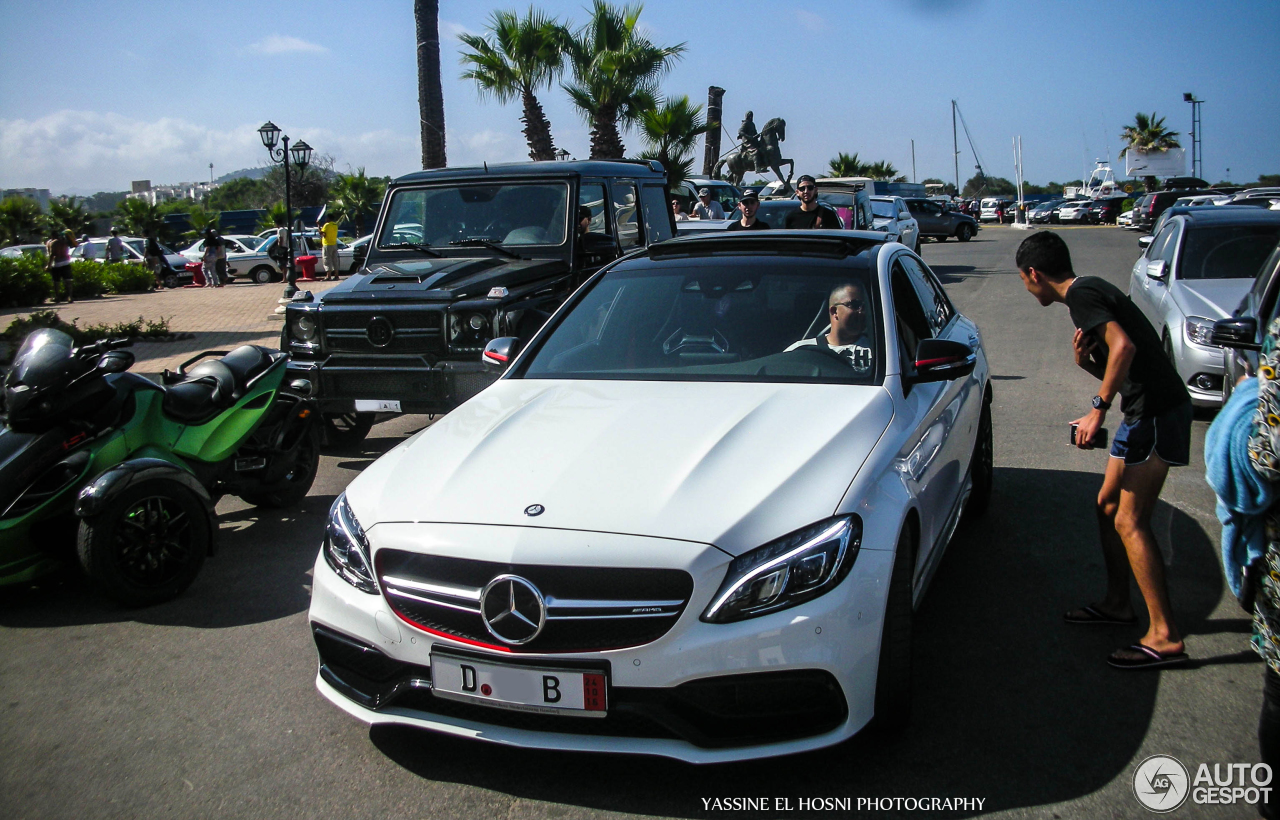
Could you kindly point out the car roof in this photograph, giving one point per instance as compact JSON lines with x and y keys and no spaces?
{"x":818,"y":242}
{"x":1229,"y":215}
{"x":606,"y":168}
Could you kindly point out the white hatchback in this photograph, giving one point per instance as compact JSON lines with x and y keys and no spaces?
{"x":693,"y":518}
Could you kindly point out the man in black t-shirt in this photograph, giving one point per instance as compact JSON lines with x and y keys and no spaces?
{"x":812,"y":213}
{"x":1115,"y":343}
{"x":749,"y":204}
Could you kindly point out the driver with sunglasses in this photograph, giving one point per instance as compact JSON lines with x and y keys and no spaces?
{"x":812,"y":213}
{"x":847,"y":309}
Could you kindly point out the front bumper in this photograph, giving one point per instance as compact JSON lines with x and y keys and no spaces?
{"x":419,"y":387}
{"x":1202,"y":370}
{"x":798,"y":679}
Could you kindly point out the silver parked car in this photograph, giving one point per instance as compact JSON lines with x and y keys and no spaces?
{"x":1194,"y":271}
{"x":894,"y":218}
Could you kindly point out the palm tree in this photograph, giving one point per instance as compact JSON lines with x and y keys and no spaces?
{"x":881,"y":170}
{"x":426,"y":18}
{"x":518,"y":57}
{"x":201,"y":219}
{"x":847,"y":165}
{"x":354,"y":196}
{"x":615,"y":74}
{"x":137,"y":216}
{"x":272,"y":217}
{"x":1148,"y":134}
{"x":20,"y":220}
{"x":68,"y":216}
{"x":671,"y":133}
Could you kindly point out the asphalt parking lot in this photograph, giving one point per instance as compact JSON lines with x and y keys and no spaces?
{"x":206,"y":706}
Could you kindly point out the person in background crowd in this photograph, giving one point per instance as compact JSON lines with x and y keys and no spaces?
{"x":59,"y":265}
{"x":811,"y":213}
{"x":1116,"y":344}
{"x":329,"y":244}
{"x":115,"y":247}
{"x":221,"y":262}
{"x":678,"y":210}
{"x":707,"y":208}
{"x":749,"y":204}
{"x":282,"y":251}
{"x":154,"y":258}
{"x":209,"y":261}
{"x":584,"y":220}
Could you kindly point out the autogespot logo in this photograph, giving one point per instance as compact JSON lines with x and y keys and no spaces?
{"x":1161,"y":783}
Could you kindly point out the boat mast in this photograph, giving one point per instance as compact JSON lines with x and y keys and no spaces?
{"x":955,"y":147}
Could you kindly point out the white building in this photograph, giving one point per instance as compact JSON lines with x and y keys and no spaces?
{"x":38,"y":195}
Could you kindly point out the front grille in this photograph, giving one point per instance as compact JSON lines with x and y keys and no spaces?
{"x":588,"y":609}
{"x":717,"y":712}
{"x":418,"y":331}
{"x":375,"y":385}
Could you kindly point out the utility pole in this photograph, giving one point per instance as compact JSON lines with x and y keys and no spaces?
{"x":955,"y":146}
{"x":1197,"y":150}
{"x":913,"y":160}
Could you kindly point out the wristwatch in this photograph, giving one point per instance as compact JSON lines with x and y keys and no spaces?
{"x":1099,"y":404}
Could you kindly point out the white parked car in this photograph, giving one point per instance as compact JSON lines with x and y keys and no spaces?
{"x":259,"y":267}
{"x":1076,"y":211}
{"x":1125,"y":220}
{"x":236,"y":243}
{"x":892,"y":216}
{"x":692,"y":519}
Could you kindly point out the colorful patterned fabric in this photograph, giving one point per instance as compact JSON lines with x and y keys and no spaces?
{"x":1264,"y":452}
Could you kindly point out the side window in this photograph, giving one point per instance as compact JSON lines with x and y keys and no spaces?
{"x":657,"y":214}
{"x":592,"y":197}
{"x":1156,"y":249}
{"x":937,"y":307}
{"x":625,"y":201}
{"x":903,"y":211}
{"x":1169,"y":252}
{"x":908,"y":312}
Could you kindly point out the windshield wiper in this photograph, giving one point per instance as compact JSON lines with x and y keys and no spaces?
{"x":481,"y":242}
{"x":422,"y":247}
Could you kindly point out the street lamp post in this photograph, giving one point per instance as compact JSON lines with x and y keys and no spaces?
{"x":301,"y":155}
{"x":1197,"y":150}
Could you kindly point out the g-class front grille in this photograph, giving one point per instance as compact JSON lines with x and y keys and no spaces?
{"x":587,"y":609}
{"x":400,"y":331}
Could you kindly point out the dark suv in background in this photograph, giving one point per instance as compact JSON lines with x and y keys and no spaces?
{"x":939,"y":222}
{"x":1153,"y":205}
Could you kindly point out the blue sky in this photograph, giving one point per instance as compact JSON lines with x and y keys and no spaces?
{"x":95,"y":94}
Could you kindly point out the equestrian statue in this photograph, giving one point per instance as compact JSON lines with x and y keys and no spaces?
{"x":758,"y":152}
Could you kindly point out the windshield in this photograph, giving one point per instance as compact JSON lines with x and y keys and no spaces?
{"x":510,"y":214}
{"x":1226,"y":252}
{"x":741,"y":319}
{"x":884,"y":208}
{"x":250,"y":242}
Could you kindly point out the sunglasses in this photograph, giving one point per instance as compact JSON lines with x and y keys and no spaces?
{"x":853,"y":304}
{"x":807,"y":188}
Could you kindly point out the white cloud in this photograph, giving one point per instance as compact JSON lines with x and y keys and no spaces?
{"x":285,"y":44}
{"x":811,"y":21}
{"x":449,"y":32}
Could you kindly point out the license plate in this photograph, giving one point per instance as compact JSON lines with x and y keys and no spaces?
{"x":544,"y":690}
{"x":377,"y":406}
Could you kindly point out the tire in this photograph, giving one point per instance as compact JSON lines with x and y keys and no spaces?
{"x":344,"y":430}
{"x":982,"y":466}
{"x":1168,"y":350}
{"x":122,"y":549}
{"x":916,"y":249}
{"x":893,"y":674}
{"x":171,"y":281}
{"x":964,"y":233}
{"x":263,"y":275}
{"x":294,"y":487}
{"x":940,"y":239}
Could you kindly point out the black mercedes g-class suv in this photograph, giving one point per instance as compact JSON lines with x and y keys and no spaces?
{"x":461,"y":256}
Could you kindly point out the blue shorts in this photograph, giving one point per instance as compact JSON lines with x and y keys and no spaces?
{"x":1168,"y":435}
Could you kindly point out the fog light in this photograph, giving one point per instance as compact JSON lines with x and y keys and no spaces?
{"x":1206,"y":381}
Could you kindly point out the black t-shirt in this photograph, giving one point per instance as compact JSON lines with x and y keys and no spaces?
{"x":758,"y":225}
{"x":800,"y":218}
{"x":1153,"y":386}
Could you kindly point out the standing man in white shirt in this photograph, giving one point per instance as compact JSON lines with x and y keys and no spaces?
{"x":707,"y":208}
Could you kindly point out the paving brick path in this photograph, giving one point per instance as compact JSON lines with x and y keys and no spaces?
{"x":218,"y":318}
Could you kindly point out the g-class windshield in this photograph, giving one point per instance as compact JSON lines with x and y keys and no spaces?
{"x":472,"y":215}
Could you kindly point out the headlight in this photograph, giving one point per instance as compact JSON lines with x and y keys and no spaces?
{"x":789,"y":571}
{"x":1199,"y":330}
{"x":470,"y":329}
{"x":346,"y":549}
{"x":304,"y":329}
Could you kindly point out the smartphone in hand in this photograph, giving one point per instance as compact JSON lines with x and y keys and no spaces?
{"x":1099,"y":438}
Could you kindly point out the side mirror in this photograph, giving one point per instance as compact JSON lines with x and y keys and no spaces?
{"x":1157,"y":269}
{"x":941,"y":360}
{"x":499,"y":352}
{"x":1238,"y":333}
{"x":116,"y":361}
{"x":300,"y":386}
{"x":597,"y":244}
{"x":1144,"y":242}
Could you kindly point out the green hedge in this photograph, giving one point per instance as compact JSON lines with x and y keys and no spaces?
{"x":24,"y":281}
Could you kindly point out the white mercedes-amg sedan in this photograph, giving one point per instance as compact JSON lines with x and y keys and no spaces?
{"x":692,"y":519}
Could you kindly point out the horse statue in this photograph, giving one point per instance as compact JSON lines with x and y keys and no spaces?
{"x":758,"y":152}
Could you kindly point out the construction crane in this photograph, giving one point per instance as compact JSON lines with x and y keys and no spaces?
{"x":955,"y":146}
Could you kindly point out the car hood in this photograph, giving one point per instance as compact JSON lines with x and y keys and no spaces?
{"x":1210,"y":298}
{"x":729,"y":464}
{"x":448,"y":278}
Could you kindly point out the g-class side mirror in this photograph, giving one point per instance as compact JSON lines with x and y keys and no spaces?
{"x":500,"y":351}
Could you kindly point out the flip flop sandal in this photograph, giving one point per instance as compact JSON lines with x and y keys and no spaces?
{"x":1092,"y":615}
{"x":1141,"y":656}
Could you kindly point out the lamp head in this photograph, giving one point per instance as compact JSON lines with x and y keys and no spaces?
{"x":270,"y":134}
{"x":301,"y":153}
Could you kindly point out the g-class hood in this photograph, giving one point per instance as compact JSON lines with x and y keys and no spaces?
{"x":446,"y":279}
{"x":729,"y":464}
